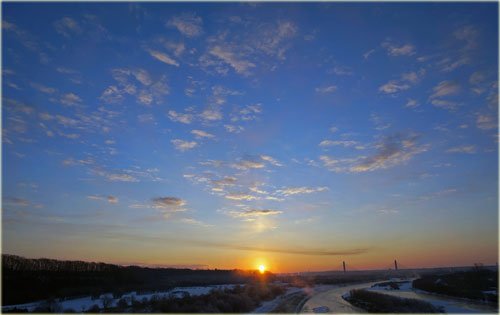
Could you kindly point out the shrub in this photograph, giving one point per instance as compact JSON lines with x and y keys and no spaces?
{"x":374,"y":302}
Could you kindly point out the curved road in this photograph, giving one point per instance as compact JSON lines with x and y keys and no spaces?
{"x":333,"y":299}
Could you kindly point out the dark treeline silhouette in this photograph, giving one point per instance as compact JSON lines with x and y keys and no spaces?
{"x":375,"y":302}
{"x":17,"y":263}
{"x":334,"y":278}
{"x":26,"y":280}
{"x":475,"y":284}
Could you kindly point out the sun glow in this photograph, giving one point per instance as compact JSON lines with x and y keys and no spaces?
{"x":262,"y":268}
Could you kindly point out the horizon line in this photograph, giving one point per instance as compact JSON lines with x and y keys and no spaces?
{"x":180,"y":266}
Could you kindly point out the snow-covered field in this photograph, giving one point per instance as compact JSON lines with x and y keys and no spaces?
{"x":85,"y":303}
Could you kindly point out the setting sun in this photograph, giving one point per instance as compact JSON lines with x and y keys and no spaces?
{"x":262,"y":268}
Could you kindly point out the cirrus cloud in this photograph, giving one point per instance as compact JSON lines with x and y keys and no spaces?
{"x":188,"y":24}
{"x":183,"y":145}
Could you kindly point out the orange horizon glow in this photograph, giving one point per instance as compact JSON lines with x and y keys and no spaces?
{"x":281,"y":263}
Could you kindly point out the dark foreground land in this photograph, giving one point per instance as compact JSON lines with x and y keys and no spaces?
{"x":241,"y":299}
{"x":27,"y":280}
{"x":59,"y":286}
{"x":479,"y":284}
{"x":374,"y":302}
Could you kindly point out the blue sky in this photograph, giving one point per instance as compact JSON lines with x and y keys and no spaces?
{"x":229,"y":134}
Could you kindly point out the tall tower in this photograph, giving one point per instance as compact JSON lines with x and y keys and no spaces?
{"x":343,"y":264}
{"x":395,"y":264}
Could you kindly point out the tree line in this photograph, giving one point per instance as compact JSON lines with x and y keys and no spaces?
{"x":26,"y":280}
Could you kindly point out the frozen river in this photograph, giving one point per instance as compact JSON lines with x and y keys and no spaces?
{"x":332,"y":299}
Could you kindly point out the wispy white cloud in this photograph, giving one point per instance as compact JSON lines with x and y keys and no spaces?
{"x":247,"y":113}
{"x":449,"y":64}
{"x":179,"y":117}
{"x":66,"y":70}
{"x":117,"y":177}
{"x":70,"y":99}
{"x":413,"y":76}
{"x":404,"y":83}
{"x":460,"y":56}
{"x":477,"y":78}
{"x":163,"y":57}
{"x":72,"y":161}
{"x":477,"y":81}
{"x":177,"y":48}
{"x":367,"y":54}
{"x":438,"y":194}
{"x":169,"y":202}
{"x":444,"y":104}
{"x":225,"y":181}
{"x":255,"y":162}
{"x":112,"y":95}
{"x":146,"y":118}
{"x":249,"y":48}
{"x":69,"y":135}
{"x":168,"y":206}
{"x":271,"y":160}
{"x":183,"y":145}
{"x":412,"y":103}
{"x":253,"y":213}
{"x":341,"y":70}
{"x":195,"y":222}
{"x":43,"y":88}
{"x":67,"y":26}
{"x":142,"y":76}
{"x":391,"y":151}
{"x":387,"y":211}
{"x":188,"y":24}
{"x":234,"y":128}
{"x":445,"y":88}
{"x":241,"y":197}
{"x":202,"y":134}
{"x":326,"y":89}
{"x":226,"y":54}
{"x":344,"y":143}
{"x":289,"y":191}
{"x":211,"y":113}
{"x":213,"y":163}
{"x":470,"y":149}
{"x":110,"y":199}
{"x":16,"y":106}
{"x":248,"y":164}
{"x":393,"y":86}
{"x":219,"y":90}
{"x":271,"y":37}
{"x":24,"y":37}
{"x":398,"y":50}
{"x":469,"y":34}
{"x":137,"y":82}
{"x":379,"y":122}
{"x":15,"y":201}
{"x":486,"y":122}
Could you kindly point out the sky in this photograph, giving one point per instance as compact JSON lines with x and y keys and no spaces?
{"x":228,"y":135}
